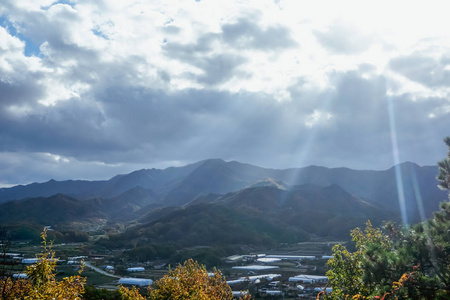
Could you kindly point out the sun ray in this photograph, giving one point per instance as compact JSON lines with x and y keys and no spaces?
{"x":396,"y":157}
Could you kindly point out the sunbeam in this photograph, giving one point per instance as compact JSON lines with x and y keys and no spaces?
{"x":396,"y":157}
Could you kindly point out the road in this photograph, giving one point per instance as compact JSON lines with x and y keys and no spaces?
{"x":98,"y":270}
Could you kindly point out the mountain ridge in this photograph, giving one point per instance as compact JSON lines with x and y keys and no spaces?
{"x":178,"y":186}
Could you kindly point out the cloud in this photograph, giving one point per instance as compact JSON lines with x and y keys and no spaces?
{"x":215,"y":68}
{"x":234,"y":37}
{"x":245,"y":34}
{"x":343,"y":38}
{"x":119,"y":86}
{"x":424,"y":69}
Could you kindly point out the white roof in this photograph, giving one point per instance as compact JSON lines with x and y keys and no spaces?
{"x":255,"y":267}
{"x":242,"y":279}
{"x":235,"y":257}
{"x":308,"y":278}
{"x":135,"y":269}
{"x":268,"y":259}
{"x":316,"y":277}
{"x":29,"y":260}
{"x":254,"y":278}
{"x":77,"y":257}
{"x":135,"y":281}
{"x":269,"y":277}
{"x":293,"y":257}
{"x":20,"y":275}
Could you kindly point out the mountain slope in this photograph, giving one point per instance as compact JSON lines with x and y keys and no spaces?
{"x":256,"y":216}
{"x":315,"y":209}
{"x":211,"y":224}
{"x":55,"y":210}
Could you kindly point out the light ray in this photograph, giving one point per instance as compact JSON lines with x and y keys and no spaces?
{"x":418,"y":196}
{"x":397,"y":167}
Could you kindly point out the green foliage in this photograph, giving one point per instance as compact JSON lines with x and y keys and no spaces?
{"x":75,"y":236}
{"x":23,"y":231}
{"x":92,"y":293}
{"x":348,"y":274}
{"x":444,"y":169}
{"x":410,"y":263}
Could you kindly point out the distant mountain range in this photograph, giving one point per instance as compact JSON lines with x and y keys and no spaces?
{"x":319,"y":200}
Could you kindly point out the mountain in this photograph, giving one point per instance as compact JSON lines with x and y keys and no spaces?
{"x":320,"y":210}
{"x":256,"y":215}
{"x":127,"y":206}
{"x":140,"y":191}
{"x":210,"y":224}
{"x":54,"y":210}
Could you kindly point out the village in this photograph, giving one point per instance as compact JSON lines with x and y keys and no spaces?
{"x":287,"y":276}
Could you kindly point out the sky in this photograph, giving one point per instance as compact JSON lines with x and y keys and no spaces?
{"x":94,"y":88}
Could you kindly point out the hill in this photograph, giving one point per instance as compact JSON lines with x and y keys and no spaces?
{"x":262,"y":215}
{"x":55,"y":210}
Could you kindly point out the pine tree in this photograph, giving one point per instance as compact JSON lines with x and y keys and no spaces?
{"x":444,"y":168}
{"x":411,"y":263}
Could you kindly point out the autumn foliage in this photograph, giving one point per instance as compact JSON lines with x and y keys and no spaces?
{"x":41,"y":283}
{"x":187,"y":281}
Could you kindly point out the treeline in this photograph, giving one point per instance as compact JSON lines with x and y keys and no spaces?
{"x":31,"y":232}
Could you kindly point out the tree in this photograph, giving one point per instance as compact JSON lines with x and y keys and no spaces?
{"x":409,"y":263}
{"x":187,"y":281}
{"x":444,"y":168}
{"x":191,"y":281}
{"x":41,"y":282}
{"x":348,"y":274}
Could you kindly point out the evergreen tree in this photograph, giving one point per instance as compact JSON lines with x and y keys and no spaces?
{"x":408,"y":263}
{"x":444,"y":168}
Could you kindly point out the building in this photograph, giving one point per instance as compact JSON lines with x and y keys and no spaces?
{"x":136,"y":269}
{"x":136,"y":281}
{"x":309,"y":279}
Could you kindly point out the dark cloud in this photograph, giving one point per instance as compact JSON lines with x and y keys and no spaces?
{"x":360,"y":129}
{"x":146,"y":126}
{"x":219,"y":68}
{"x":429,"y":71}
{"x":17,"y":93}
{"x":216,"y":68}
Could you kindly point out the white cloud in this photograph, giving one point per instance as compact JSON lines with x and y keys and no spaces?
{"x":129,"y":82}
